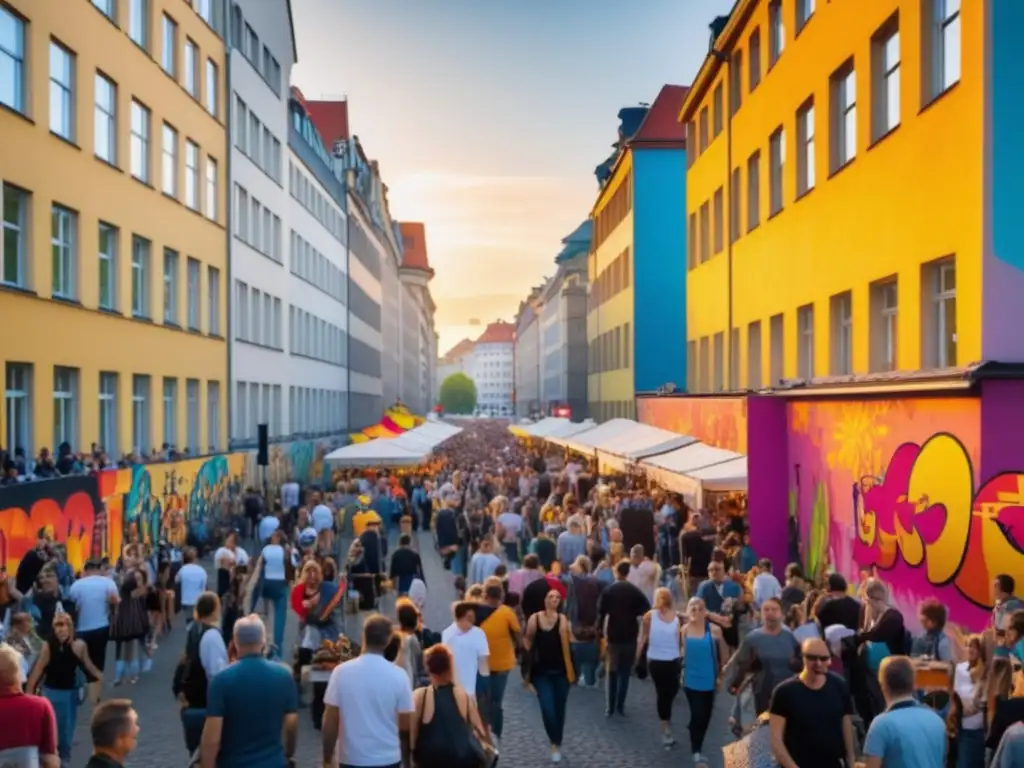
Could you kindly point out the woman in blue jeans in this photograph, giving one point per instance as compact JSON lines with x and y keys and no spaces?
{"x":57,"y":668}
{"x":273,"y":567}
{"x":548,"y":642}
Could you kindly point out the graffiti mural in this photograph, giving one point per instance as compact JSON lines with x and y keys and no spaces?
{"x":891,"y":486}
{"x":717,"y":421}
{"x":67,"y":508}
{"x":299,"y":460}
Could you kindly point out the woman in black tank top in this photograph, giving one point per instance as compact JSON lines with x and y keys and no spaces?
{"x":551,"y":673}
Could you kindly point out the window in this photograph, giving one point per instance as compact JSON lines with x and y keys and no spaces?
{"x":754,"y":62}
{"x":703,"y":139}
{"x":192,"y":416}
{"x":138,"y":22}
{"x":805,"y":149}
{"x":170,"y":45}
{"x":206,"y":11}
{"x":777,"y":159}
{"x":804,"y":11}
{"x":65,"y":414}
{"x":241,"y":410}
{"x":753,"y":191}
{"x":107,"y":253}
{"x":735,"y":82}
{"x":169,"y":167}
{"x":14,"y":245}
{"x":242,"y":311}
{"x":704,"y":366}
{"x":213,"y":290}
{"x":734,"y":206}
{"x":842,"y":334}
{"x":884,"y":313}
{"x":192,"y":68}
{"x":719,"y":213}
{"x":140,"y":142}
{"x":945,"y":45}
{"x":776,"y":363}
{"x":62,"y":245}
{"x":805,"y":341}
{"x":213,"y":416}
{"x":691,"y":143}
{"x":885,"y":60}
{"x":62,"y":77}
{"x":844,"y":116}
{"x":212,"y":81}
{"x":734,"y":360}
{"x":192,"y":175}
{"x":194,"y":293}
{"x":718,"y":383}
{"x":242,"y":214}
{"x":692,"y":255}
{"x":754,"y":356}
{"x":705,"y":232}
{"x":719,"y":107}
{"x":776,"y":32}
{"x":943,"y":286}
{"x":140,"y":276}
{"x":106,"y":7}
{"x":170,"y":286}
{"x":241,"y":125}
{"x":108,"y":412}
{"x":211,"y":189}
{"x":275,"y":336}
{"x":252,"y":46}
{"x":17,"y":405}
{"x":275,"y":243}
{"x":105,"y":139}
{"x":170,"y":411}
{"x":140,"y":414}
{"x":12,"y":60}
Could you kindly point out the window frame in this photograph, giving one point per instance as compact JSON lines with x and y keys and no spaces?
{"x":21,"y":227}
{"x":17,"y":58}
{"x":110,"y":258}
{"x":62,"y":121}
{"x":64,"y":281}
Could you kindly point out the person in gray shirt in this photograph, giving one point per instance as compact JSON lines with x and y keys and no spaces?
{"x":771,"y":654}
{"x":571,"y":543}
{"x":1011,"y":749}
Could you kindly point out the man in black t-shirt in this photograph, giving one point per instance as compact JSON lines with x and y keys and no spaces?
{"x":811,"y":725}
{"x":838,"y":607}
{"x":696,"y":547}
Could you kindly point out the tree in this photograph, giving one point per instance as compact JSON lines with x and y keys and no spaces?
{"x":458,"y":394}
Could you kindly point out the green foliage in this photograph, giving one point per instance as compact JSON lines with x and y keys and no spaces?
{"x":458,"y":394}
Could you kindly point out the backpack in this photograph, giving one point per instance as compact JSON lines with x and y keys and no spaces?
{"x":189,"y":676}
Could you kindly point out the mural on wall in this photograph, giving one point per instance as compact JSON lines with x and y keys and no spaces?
{"x":717,"y":421}
{"x":66,"y":508}
{"x":891,"y":486}
{"x":299,"y":460}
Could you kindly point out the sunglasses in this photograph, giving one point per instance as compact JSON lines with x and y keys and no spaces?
{"x":816,"y":657}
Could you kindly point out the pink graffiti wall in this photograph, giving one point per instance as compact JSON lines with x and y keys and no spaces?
{"x":891,"y":486}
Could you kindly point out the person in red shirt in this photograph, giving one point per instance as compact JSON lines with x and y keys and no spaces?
{"x":30,"y":727}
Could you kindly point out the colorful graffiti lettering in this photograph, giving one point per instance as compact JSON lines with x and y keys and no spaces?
{"x":300,"y":460}
{"x":66,"y":508}
{"x":717,"y":421}
{"x":926,"y":513}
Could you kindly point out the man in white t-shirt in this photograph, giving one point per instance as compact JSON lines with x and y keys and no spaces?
{"x":370,"y":699}
{"x":468,"y":644}
{"x":191,"y":581}
{"x":766,"y":586}
{"x":290,"y":496}
{"x":94,"y":596}
{"x":323,"y":520}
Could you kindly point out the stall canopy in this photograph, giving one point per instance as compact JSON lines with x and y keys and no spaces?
{"x":408,"y":449}
{"x":696,"y":468}
{"x":639,"y":442}
{"x":537,"y":429}
{"x":589,"y":440}
{"x":571,"y":428}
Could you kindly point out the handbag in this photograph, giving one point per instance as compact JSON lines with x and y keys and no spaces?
{"x":485,"y":755}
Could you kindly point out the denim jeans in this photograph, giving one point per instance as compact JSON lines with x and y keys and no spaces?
{"x":621,"y":657}
{"x":275,"y":591}
{"x":192,"y":722}
{"x":970,"y":748}
{"x":490,"y":691}
{"x":584,"y":656}
{"x":553,"y":695}
{"x":511,"y":551}
{"x":65,"y":710}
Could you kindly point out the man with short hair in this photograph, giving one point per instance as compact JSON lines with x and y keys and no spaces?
{"x":368,"y":706}
{"x":839,"y":608}
{"x":115,"y":733}
{"x":205,"y":656}
{"x":94,"y":595}
{"x":29,"y":732}
{"x":252,"y":707}
{"x":811,"y":715}
{"x":406,"y":565}
{"x":771,"y":652}
{"x":908,"y":734}
{"x":571,"y":543}
{"x":619,"y":610}
{"x":32,"y":562}
{"x":191,"y":581}
{"x":1004,"y":601}
{"x":502,"y":630}
{"x":470,"y":651}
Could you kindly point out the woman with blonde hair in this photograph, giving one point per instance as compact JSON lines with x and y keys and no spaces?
{"x":661,"y":633}
{"x":969,"y":687}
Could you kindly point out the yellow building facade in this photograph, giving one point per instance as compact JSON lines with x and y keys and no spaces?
{"x":114,"y":248}
{"x":610,"y":381}
{"x":834,"y":193}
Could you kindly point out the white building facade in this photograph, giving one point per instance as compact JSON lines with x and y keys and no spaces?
{"x":492,"y":368}
{"x":528,"y":358}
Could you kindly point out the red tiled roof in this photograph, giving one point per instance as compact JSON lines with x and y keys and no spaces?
{"x":414,"y":241}
{"x":464,"y":347}
{"x":662,"y":121}
{"x":498,"y":333}
{"x":330,"y":118}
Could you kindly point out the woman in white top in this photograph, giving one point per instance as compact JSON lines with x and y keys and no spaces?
{"x":969,"y":685}
{"x":660,"y":630}
{"x":274,"y":561}
{"x":226,"y":560}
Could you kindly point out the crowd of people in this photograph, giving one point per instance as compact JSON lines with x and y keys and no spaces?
{"x":18,"y":467}
{"x":563,"y":578}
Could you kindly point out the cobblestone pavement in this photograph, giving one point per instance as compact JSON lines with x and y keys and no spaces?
{"x":591,"y":739}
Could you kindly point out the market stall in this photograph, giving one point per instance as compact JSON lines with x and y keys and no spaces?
{"x":698,"y":470}
{"x":408,"y":449}
{"x":619,"y":452}
{"x":587,"y":441}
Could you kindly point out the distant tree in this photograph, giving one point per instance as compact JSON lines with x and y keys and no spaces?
{"x":458,"y":394}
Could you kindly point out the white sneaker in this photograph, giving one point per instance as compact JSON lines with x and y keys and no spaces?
{"x":668,"y":740}
{"x":699,"y":759}
{"x":556,"y":757}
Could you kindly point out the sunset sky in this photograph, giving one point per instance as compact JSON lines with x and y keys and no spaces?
{"x":489,"y":116}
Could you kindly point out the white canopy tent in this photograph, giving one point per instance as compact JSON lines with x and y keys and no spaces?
{"x":408,"y":449}
{"x":546,"y":426}
{"x":696,"y":468}
{"x":641,"y":441}
{"x":588,"y":440}
{"x":570,"y":428}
